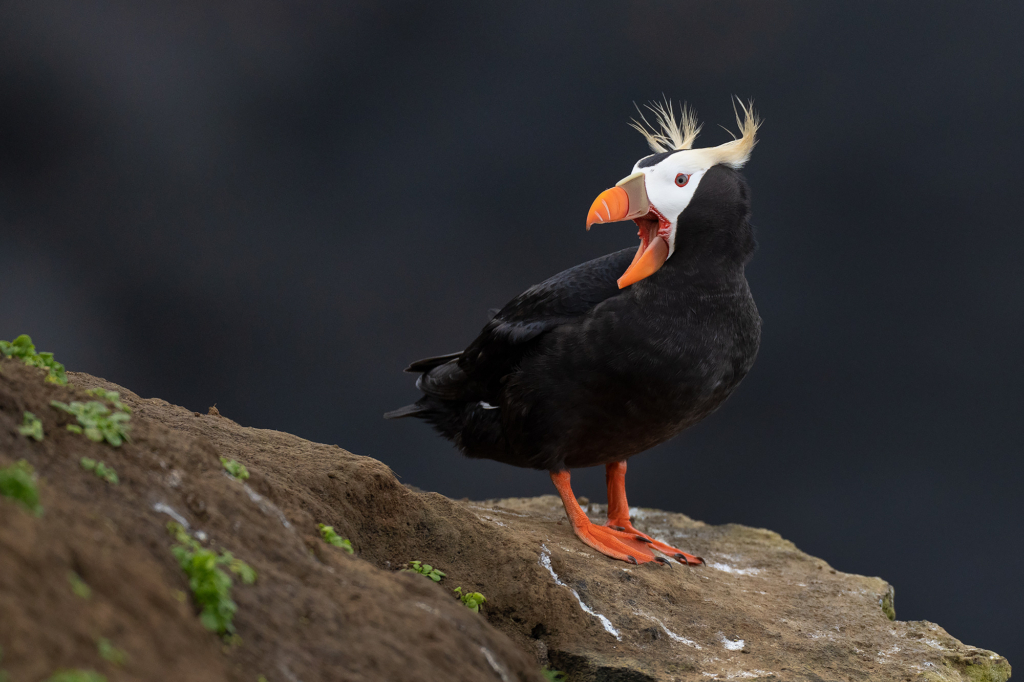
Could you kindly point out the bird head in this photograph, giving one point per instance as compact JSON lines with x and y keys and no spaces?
{"x":662,"y":185}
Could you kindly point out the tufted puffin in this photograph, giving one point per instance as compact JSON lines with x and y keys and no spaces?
{"x":614,"y":356}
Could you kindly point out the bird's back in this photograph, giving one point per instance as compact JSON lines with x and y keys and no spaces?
{"x":464,"y":392}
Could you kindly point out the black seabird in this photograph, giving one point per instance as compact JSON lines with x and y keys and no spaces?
{"x":614,"y":356}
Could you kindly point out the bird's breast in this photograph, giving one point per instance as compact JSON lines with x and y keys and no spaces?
{"x":630,"y":375}
{"x":694,"y":354}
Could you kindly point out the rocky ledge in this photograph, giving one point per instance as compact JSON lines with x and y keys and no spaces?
{"x":759,"y":610}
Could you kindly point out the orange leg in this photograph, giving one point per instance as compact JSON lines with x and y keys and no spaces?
{"x":618,"y":544}
{"x":618,"y":515}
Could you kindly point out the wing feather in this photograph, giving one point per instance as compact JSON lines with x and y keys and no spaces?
{"x":477,"y":373}
{"x":559,"y":299}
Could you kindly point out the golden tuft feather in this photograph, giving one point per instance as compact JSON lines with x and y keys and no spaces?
{"x":668,"y":133}
{"x":737,"y":152}
{"x":671,"y":134}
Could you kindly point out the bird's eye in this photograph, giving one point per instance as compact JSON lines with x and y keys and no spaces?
{"x":682,"y":179}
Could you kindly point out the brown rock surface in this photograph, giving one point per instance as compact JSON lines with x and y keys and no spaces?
{"x":761,"y":609}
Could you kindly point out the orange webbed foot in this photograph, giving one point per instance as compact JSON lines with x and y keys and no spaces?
{"x":618,"y":516}
{"x":669,"y":551}
{"x":617,"y":544}
{"x":624,"y":545}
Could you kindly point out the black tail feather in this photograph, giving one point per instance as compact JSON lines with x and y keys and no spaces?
{"x":427,"y":364}
{"x":407,"y":411}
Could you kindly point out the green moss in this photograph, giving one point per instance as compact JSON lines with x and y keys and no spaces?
{"x":235,"y":469}
{"x":332,"y":538}
{"x":425,"y":569}
{"x":78,"y":586}
{"x":76,"y":676}
{"x":31,"y":427}
{"x":888,"y":603}
{"x":979,"y":666}
{"x":23,"y":349}
{"x":471,"y":600}
{"x":112,"y":396}
{"x":554,"y":675}
{"x":100,"y":469}
{"x":109,"y":652}
{"x":18,"y":483}
{"x":211,"y":587}
{"x":97,"y":421}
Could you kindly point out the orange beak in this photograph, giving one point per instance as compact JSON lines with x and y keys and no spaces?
{"x":625,"y":201}
{"x":610,"y":206}
{"x":628,"y":201}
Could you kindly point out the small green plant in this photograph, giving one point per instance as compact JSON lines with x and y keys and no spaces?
{"x":211,"y":587}
{"x":472,"y":600}
{"x":424,"y":569}
{"x":332,"y":538}
{"x":100,"y":469}
{"x":17,"y":482}
{"x":31,"y":427}
{"x":23,"y":349}
{"x":109,"y":652}
{"x":76,"y":676}
{"x":112,"y":396}
{"x":78,"y":585}
{"x":235,"y":468}
{"x":553,"y":675}
{"x":888,"y":608}
{"x":97,"y":421}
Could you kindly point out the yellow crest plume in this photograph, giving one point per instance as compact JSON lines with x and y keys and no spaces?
{"x":674,"y":134}
{"x":668,"y":133}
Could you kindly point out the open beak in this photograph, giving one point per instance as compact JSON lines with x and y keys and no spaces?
{"x":628,"y":201}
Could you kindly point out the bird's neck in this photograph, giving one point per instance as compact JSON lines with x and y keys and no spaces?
{"x":712,"y":253}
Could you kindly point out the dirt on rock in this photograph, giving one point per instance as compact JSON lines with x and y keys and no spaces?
{"x":760,"y":609}
{"x":314,"y":613}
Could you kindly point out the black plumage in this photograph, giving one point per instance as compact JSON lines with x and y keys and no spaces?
{"x":576,"y":372}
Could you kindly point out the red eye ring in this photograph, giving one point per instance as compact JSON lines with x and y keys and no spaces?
{"x":682,"y":179}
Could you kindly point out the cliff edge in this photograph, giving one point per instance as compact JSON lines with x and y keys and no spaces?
{"x":92,"y":581}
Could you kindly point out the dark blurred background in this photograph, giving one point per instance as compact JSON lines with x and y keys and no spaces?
{"x":275,"y":206}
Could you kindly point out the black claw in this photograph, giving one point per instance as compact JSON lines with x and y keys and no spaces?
{"x":632,"y":559}
{"x":663,"y":561}
{"x":642,"y":538}
{"x":618,"y":528}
